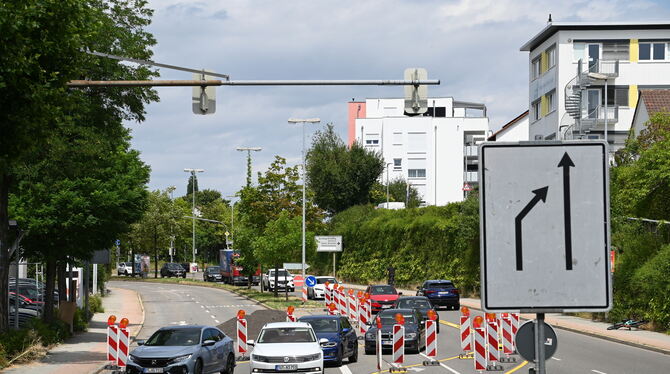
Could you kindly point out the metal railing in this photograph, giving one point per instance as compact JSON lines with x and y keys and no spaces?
{"x":607,"y":67}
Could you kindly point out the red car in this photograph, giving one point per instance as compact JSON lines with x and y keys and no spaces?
{"x":382,"y":297}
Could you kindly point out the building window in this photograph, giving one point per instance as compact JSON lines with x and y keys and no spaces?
{"x":535,"y":68}
{"x":551,"y":57}
{"x":535,"y":110}
{"x":397,"y":138}
{"x":397,"y":163}
{"x":539,"y":137}
{"x":372,"y":142}
{"x":652,"y":51}
{"x":416,"y":173}
{"x":551,"y":101}
{"x":616,"y":95}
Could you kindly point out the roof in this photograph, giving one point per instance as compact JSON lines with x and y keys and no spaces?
{"x":553,"y":27}
{"x":412,"y":298}
{"x":179,"y":327}
{"x":656,"y":100}
{"x":282,"y":325}
{"x":318,"y":316}
{"x":508,"y":125}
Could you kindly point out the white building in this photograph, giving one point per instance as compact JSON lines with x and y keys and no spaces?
{"x":515,"y":130}
{"x":435,"y":152}
{"x":569,"y":64}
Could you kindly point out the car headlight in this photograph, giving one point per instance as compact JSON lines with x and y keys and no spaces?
{"x":313,"y":357}
{"x":410,"y":335}
{"x":329,"y":344}
{"x":132,"y":358}
{"x":259,"y":358}
{"x":179,"y":359}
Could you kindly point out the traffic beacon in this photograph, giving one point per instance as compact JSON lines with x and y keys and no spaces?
{"x":398,"y":356}
{"x":466,"y":339}
{"x":112,"y":340}
{"x":242,"y":348}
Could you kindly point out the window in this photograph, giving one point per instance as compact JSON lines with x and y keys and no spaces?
{"x":397,"y":138}
{"x":539,"y":137}
{"x":551,"y":101}
{"x":535,"y":106}
{"x":535,"y":68}
{"x":416,"y":142}
{"x":372,"y":142}
{"x":616,"y":95}
{"x":551,"y":57}
{"x":416,"y":173}
{"x":397,"y":163}
{"x":652,"y":51}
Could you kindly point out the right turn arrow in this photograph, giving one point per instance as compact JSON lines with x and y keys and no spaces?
{"x":566,"y":163}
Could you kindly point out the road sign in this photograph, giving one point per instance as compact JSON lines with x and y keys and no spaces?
{"x":310,"y":281}
{"x":294,"y":266}
{"x":328,"y":243}
{"x":204,"y":97}
{"x":545,"y":226}
{"x":525,"y":341}
{"x":416,"y":96}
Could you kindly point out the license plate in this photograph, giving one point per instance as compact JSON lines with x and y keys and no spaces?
{"x":286,"y":367}
{"x":386,"y":306}
{"x":387,"y":342}
{"x":153,"y":370}
{"x":444,"y":293}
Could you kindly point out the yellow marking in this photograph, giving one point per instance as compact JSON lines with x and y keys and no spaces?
{"x":634,"y":50}
{"x":415,"y":365}
{"x":512,"y":370}
{"x":632,"y":95}
{"x":544,"y":62}
{"x":544,"y":106}
{"x":242,"y":362}
{"x":450,"y":324}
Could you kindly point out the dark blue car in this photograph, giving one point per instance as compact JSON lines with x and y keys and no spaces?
{"x":342,"y":339}
{"x":440,"y":293}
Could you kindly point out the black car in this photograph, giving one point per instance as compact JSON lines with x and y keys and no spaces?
{"x":342,"y":340}
{"x":440,"y":293}
{"x":420,"y":303}
{"x":212,"y":274}
{"x":415,"y":330}
{"x":170,"y":269}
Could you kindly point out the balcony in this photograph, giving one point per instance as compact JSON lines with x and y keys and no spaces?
{"x":597,"y":116}
{"x":471,"y":177}
{"x":471,"y":151}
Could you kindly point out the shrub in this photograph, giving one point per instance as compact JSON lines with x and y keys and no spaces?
{"x":80,"y":322}
{"x":95,"y":304}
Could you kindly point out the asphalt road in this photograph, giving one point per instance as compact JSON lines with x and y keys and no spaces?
{"x":167,"y":304}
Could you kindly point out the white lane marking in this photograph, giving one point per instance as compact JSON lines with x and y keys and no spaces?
{"x":202,"y":306}
{"x":197,"y":302}
{"x":443,"y":365}
{"x":217,"y":321}
{"x":597,"y":371}
{"x":345,"y":369}
{"x":556,"y":358}
{"x":212,"y":316}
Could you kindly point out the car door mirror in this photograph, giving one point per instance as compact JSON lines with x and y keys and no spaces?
{"x":323,"y":341}
{"x":345,"y":330}
{"x":140,"y":342}
{"x":251,"y":342}
{"x":208,"y":343}
{"x":418,"y":287}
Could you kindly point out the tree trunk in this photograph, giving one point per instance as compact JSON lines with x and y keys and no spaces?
{"x":155,"y":253}
{"x":49,"y":297}
{"x":62,"y":287}
{"x":4,"y":252}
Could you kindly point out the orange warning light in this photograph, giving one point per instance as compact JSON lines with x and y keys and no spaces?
{"x":290,"y":309}
{"x":379,"y":322}
{"x":491,"y":317}
{"x":359,"y":294}
{"x":111,"y":320}
{"x":241,"y":313}
{"x":505,"y":315}
{"x":477,"y":322}
{"x":332,"y":306}
{"x":124,"y":323}
{"x":351,"y":292}
{"x":432,"y":315}
{"x":465,"y":311}
{"x":400,"y":319}
{"x":327,"y":284}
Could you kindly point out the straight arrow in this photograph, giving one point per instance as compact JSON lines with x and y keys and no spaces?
{"x":566,"y":163}
{"x":540,"y":194}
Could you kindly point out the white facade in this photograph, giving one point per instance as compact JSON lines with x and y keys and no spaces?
{"x":514,"y":131}
{"x":437,"y":155}
{"x":631,"y":56}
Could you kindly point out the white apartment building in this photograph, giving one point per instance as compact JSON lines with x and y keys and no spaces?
{"x":435,"y":152}
{"x":570,"y":64}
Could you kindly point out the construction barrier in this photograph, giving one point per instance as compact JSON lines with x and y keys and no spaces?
{"x":479,"y":343}
{"x":492,"y":338}
{"x":378,"y":344}
{"x":326,"y":294}
{"x":304,"y":293}
{"x":508,"y":343}
{"x":431,"y":338}
{"x":343,"y":302}
{"x":398,"y":344}
{"x":466,"y":340}
{"x":241,"y":333}
{"x":290,"y":317}
{"x":353,"y":308}
{"x":112,"y":339}
{"x":515,"y":328}
{"x":124,"y":342}
{"x":332,"y":309}
{"x":362,"y":316}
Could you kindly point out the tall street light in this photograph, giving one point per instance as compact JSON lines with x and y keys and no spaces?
{"x":388,"y":164}
{"x":193,"y":171}
{"x":232,"y":218}
{"x":303,"y":121}
{"x":249,"y":150}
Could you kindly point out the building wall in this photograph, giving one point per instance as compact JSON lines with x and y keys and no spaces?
{"x":641,"y":119}
{"x":356,"y":109}
{"x":517,"y":132}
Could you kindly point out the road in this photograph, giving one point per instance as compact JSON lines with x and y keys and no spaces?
{"x":167,"y":304}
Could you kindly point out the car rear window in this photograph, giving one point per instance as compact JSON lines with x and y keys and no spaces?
{"x":324,"y":280}
{"x":441,"y":285}
{"x":383,"y":290}
{"x":414,"y":303}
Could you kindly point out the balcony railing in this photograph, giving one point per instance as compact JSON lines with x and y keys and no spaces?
{"x":609,"y":68}
{"x":471,"y":176}
{"x":598,"y":115}
{"x":471,"y":151}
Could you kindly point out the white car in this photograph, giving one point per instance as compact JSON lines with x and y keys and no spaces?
{"x":125,"y":268}
{"x":319,"y":290}
{"x":287,"y":347}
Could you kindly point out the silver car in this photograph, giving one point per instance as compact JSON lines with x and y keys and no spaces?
{"x":184,"y":350}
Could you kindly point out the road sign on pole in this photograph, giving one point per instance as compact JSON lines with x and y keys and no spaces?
{"x":416,"y":96}
{"x":545,"y":226}
{"x":204,"y":97}
{"x":328,"y":243}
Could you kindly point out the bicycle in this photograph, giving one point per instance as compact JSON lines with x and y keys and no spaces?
{"x":629,"y":324}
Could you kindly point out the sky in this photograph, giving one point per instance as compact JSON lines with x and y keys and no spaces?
{"x":472,"y":46}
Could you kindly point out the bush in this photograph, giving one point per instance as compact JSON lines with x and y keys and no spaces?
{"x":80,"y":322}
{"x":95,"y":304}
{"x":15,"y":342}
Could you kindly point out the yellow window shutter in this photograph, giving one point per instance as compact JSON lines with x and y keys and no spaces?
{"x":632,"y":95}
{"x":544,"y":109}
{"x":543,"y":62}
{"x":634,"y":53}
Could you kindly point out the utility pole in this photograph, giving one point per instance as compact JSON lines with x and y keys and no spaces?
{"x":193,"y":171}
{"x":388,"y":164}
{"x":249,"y":150}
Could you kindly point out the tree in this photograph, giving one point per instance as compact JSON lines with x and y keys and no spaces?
{"x":399,"y":190}
{"x":339,"y":176}
{"x":192,"y":184}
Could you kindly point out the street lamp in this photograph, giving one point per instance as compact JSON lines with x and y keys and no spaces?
{"x":303,"y":121}
{"x":249,"y":150}
{"x":387,"y":183}
{"x":193,"y":171}
{"x":232,"y":219}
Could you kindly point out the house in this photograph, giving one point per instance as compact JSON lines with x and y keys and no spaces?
{"x":513,"y":131}
{"x":649,"y":103}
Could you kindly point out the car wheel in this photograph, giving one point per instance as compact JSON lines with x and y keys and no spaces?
{"x":340,"y":353}
{"x":197,"y":369}
{"x":230,"y":365}
{"x":354,"y":357}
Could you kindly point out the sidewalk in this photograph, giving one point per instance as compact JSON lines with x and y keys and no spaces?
{"x":86,"y":352}
{"x":654,"y":341}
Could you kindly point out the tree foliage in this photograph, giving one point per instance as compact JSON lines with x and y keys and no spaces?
{"x":399,"y":190}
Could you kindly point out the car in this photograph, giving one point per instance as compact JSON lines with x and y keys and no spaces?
{"x":319,"y":290}
{"x":212,"y":274}
{"x":286,"y":347}
{"x":440,"y":293}
{"x":183,"y":349}
{"x":382,"y":296}
{"x":414,"y":331}
{"x":124,"y":268}
{"x":342,"y":340}
{"x":171,"y":269}
{"x":420,"y":303}
{"x":284,"y":280}
{"x":26,"y":302}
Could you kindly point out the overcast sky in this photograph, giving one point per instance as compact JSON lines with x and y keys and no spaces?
{"x":472,"y":46}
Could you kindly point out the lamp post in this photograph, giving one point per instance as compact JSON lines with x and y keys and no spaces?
{"x":193,"y":171}
{"x":303,"y":121}
{"x":232,"y":219}
{"x":388,"y":164}
{"x":249,"y":150}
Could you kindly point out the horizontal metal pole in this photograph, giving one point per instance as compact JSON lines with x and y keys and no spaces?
{"x":197,"y":83}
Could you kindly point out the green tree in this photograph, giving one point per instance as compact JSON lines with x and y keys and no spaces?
{"x":341,"y":177}
{"x":192,"y":185}
{"x":399,"y":190}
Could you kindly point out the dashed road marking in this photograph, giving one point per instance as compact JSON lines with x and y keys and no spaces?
{"x":202,"y":306}
{"x":345,"y":369}
{"x":450,"y":324}
{"x":556,"y":358}
{"x":597,"y":371}
{"x":441,"y":364}
{"x":217,"y":321}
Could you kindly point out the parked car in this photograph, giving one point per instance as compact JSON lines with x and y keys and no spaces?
{"x":382,"y":296}
{"x":319,"y":290}
{"x":170,"y":269}
{"x":287,"y":347}
{"x":212,"y":274}
{"x":30,"y":290}
{"x":125,"y":268}
{"x":26,"y":302}
{"x":440,"y":293}
{"x":183,"y":349}
{"x":414,"y":331}
{"x":186,"y":266}
{"x":284,"y":279}
{"x":25,"y":315}
{"x":342,"y":340}
{"x":420,"y":303}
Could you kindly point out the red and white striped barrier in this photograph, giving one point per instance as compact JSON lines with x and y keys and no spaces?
{"x":124,"y":342}
{"x":398,"y":344}
{"x":241,"y":333}
{"x":353,"y":308}
{"x":343,"y":302}
{"x":480,"y":344}
{"x":492,"y":338}
{"x":431,"y":338}
{"x":304,"y":293}
{"x":466,"y":339}
{"x":332,"y":309}
{"x":378,"y":343}
{"x":508,"y":342}
{"x":362,"y":316}
{"x":326,"y":294}
{"x":290,"y":317}
{"x":515,"y":328}
{"x":112,"y":339}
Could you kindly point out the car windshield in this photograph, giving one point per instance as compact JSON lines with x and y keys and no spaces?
{"x":324,"y":280}
{"x":213,"y":270}
{"x":414,"y":303}
{"x":389,"y":318}
{"x":280,"y":273}
{"x":441,"y":285}
{"x":323,"y":325}
{"x":383,"y":290}
{"x":287,"y":335}
{"x":174,"y":337}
